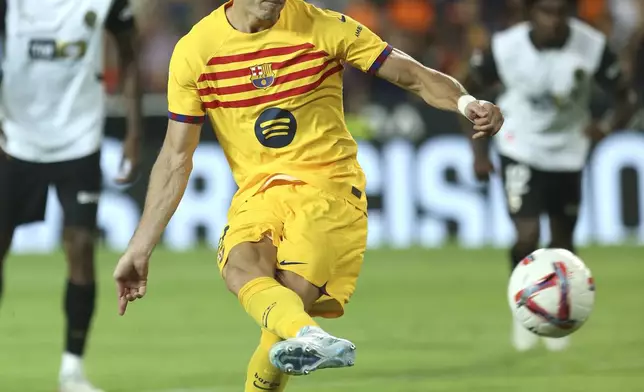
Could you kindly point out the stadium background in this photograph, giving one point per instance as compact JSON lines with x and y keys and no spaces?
{"x":430,"y":312}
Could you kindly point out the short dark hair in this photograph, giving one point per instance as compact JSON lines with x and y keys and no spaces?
{"x":531,"y":3}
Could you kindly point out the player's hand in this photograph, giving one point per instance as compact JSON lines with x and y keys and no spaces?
{"x":595,"y":132}
{"x":487,"y":118}
{"x":483,"y":167}
{"x":128,"y":170}
{"x":131,"y":276}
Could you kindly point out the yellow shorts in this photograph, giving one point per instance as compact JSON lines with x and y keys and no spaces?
{"x":318,"y":236}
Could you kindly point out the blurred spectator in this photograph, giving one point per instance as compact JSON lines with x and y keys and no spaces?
{"x":439,"y":33}
{"x":596,"y":13}
{"x":366,"y":12}
{"x":625,"y":21}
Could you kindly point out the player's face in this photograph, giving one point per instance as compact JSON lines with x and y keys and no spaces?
{"x":268,"y":10}
{"x":550,"y":19}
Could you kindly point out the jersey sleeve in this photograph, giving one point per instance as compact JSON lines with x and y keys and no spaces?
{"x":483,"y":68}
{"x":350,"y":41}
{"x":184,"y":102}
{"x":120,"y":18}
{"x":609,"y":72}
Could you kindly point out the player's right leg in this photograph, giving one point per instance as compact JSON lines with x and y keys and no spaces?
{"x":23,"y":197}
{"x":525,"y":203}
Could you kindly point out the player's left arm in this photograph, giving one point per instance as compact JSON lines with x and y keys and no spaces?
{"x":121,"y":25}
{"x":363,"y":49}
{"x":611,"y":78}
{"x":441,"y":91}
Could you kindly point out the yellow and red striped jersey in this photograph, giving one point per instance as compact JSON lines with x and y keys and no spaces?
{"x":275,"y":97}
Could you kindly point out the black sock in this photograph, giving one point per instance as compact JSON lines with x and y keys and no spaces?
{"x":79,"y":308}
{"x":567,"y":246}
{"x":516,"y":255}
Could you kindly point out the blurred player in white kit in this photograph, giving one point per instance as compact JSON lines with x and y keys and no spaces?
{"x":546,"y":68}
{"x":53,"y":102}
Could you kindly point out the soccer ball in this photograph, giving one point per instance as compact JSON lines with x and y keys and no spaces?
{"x":551,"y":293}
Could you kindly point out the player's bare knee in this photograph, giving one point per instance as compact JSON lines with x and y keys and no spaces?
{"x":308,"y":292}
{"x":79,"y":246}
{"x":248,"y":261}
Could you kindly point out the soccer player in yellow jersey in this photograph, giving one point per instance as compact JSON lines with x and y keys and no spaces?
{"x":268,"y":75}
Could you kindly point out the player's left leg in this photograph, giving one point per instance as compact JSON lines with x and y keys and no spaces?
{"x":562,"y":205}
{"x":262,"y":375}
{"x":564,"y":199}
{"x":321,"y":253}
{"x":78,"y":185}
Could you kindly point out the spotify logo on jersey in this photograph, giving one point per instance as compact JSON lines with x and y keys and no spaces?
{"x":275,"y":128}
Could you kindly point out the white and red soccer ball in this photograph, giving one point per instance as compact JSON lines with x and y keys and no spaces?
{"x":551,"y":292}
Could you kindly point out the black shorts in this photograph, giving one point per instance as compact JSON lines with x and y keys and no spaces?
{"x":24,"y":186}
{"x":530,"y":192}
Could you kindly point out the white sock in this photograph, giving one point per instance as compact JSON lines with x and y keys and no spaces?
{"x":71,"y":366}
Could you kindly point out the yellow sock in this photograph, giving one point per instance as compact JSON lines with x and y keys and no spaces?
{"x":274,"y":307}
{"x":262,"y":375}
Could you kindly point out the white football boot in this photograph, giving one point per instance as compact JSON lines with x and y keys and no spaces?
{"x":522,"y":339}
{"x":557,"y":344}
{"x":310,"y":350}
{"x":72,"y":376}
{"x":76,"y":384}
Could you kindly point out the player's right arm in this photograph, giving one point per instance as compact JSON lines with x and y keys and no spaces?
{"x":168,"y":179}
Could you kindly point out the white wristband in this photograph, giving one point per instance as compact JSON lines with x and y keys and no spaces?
{"x":463,"y":101}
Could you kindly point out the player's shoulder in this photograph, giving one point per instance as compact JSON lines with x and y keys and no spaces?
{"x":510,"y":41}
{"x":204,"y":36}
{"x":587,"y":42}
{"x":208,"y":31}
{"x":517,"y":34}
{"x":585,"y":36}
{"x":302,"y":8}
{"x":307,"y":14}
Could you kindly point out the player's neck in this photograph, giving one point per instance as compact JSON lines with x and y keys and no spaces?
{"x":540,"y":42}
{"x":243,"y":21}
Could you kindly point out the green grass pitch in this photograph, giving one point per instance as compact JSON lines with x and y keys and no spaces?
{"x":423,"y":320}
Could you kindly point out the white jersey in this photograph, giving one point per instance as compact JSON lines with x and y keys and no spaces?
{"x":546,"y":97}
{"x":52,"y":93}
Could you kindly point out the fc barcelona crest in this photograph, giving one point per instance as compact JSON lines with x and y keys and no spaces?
{"x":262,"y":76}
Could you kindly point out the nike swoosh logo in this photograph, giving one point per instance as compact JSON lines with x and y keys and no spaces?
{"x":342,"y":19}
{"x":264,"y":389}
{"x":284,"y":262}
